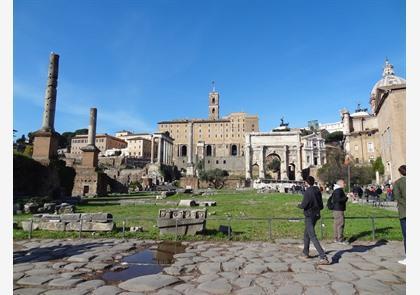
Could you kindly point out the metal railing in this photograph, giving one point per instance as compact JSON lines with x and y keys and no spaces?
{"x":269,"y":220}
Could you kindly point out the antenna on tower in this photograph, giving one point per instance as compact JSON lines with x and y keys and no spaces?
{"x":213,"y":85}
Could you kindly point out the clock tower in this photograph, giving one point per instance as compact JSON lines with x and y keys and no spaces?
{"x":213,"y":104}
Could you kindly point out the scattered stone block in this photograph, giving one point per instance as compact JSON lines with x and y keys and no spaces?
{"x":30,"y":208}
{"x":136,"y":229}
{"x":187,"y":203}
{"x":182,"y":221}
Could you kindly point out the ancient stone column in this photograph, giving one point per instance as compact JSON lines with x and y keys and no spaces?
{"x":261,"y":172}
{"x":152,"y":149}
{"x":46,"y":139}
{"x":90,"y":151}
{"x":248,"y":156}
{"x":190,"y":142}
{"x":165,"y":155}
{"x":284,"y":174}
{"x":159,"y":155}
{"x":50,"y":94}
{"x":92,"y":127}
{"x":298,"y":169}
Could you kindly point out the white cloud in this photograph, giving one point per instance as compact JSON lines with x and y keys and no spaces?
{"x":76,"y":101}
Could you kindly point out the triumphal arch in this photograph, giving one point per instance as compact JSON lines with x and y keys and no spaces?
{"x":282,"y":154}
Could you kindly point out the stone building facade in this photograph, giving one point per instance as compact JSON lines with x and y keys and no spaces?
{"x":138,"y":147}
{"x":103,"y":142}
{"x":388,"y":104}
{"x":382,"y":132}
{"x":361,"y":136}
{"x":217,"y":142}
{"x":294,"y":152}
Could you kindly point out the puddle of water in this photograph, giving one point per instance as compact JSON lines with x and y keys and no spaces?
{"x":146,"y":262}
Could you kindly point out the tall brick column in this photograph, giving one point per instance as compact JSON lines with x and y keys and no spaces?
{"x":46,"y":139}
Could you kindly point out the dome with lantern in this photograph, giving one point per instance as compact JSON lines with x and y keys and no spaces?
{"x":388,"y":78}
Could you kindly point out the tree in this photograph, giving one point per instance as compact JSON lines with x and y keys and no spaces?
{"x":28,"y":150}
{"x":21,"y":140}
{"x":335,"y":169}
{"x":378,"y":165}
{"x":334,"y":137}
{"x":216,"y":177}
{"x":30,"y":137}
{"x":200,"y":167}
{"x":81,"y":131}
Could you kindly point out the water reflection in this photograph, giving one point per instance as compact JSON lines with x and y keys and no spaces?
{"x":146,"y":262}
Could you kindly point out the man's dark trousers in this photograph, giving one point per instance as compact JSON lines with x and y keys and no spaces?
{"x":402,"y":222}
{"x":310,"y":235}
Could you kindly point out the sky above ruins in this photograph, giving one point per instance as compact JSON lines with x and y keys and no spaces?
{"x":141,"y":62}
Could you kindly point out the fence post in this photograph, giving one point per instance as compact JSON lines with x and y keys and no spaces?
{"x":80,"y":228}
{"x":30,"y":229}
{"x":229,"y":233}
{"x":373,"y":227}
{"x":269,"y":228}
{"x":322,"y":228}
{"x":176,"y":229}
{"x":124,"y":229}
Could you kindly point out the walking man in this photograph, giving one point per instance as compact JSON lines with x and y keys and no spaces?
{"x":312,"y":206}
{"x":399,"y":196}
{"x":339,"y":200}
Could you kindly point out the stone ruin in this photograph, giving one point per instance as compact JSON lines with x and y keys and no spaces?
{"x":182,"y":221}
{"x":192,"y":203}
{"x":165,"y":194}
{"x":32,"y":207}
{"x":71,"y":222}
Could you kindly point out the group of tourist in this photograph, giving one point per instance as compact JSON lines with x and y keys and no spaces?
{"x":312,"y":205}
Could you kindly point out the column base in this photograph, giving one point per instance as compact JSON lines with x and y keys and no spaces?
{"x":45,"y":146}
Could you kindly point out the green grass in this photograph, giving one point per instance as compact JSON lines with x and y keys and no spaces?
{"x":238,"y":205}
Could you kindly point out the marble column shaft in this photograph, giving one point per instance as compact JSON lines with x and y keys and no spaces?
{"x":152,"y":149}
{"x":190,"y":143}
{"x":261,"y":172}
{"x":92,"y":127}
{"x":159,"y":155}
{"x":50,"y":94}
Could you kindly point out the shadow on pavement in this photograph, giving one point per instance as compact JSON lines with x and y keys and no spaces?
{"x":368,"y":233}
{"x":50,"y":253}
{"x":356,"y":249}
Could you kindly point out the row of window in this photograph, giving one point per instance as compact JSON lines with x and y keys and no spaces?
{"x":370,"y":147}
{"x":170,"y":126}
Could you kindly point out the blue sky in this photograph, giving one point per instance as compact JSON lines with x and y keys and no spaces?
{"x":140,"y":62}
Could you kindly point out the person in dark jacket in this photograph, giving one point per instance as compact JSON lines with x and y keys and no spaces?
{"x":312,"y":205}
{"x":339,"y":200}
{"x":400,"y":197}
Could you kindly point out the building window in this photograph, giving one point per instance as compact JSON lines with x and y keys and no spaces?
{"x":208,"y":150}
{"x":370,"y":147}
{"x":234,"y":150}
{"x":183,"y":151}
{"x":315,"y":161}
{"x":217,"y":161}
{"x":357,"y":160}
{"x":224,"y":161}
{"x":356,"y":147}
{"x":208,"y":161}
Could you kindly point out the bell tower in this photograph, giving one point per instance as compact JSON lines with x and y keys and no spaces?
{"x":213,"y":104}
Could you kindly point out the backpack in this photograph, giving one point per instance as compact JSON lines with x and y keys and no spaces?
{"x":330,"y":204}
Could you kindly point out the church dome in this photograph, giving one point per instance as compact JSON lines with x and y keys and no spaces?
{"x":389,"y":78}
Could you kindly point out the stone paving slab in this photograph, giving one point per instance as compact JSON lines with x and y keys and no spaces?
{"x":210,"y":268}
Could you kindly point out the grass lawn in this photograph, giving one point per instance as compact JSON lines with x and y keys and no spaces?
{"x":239,"y":205}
